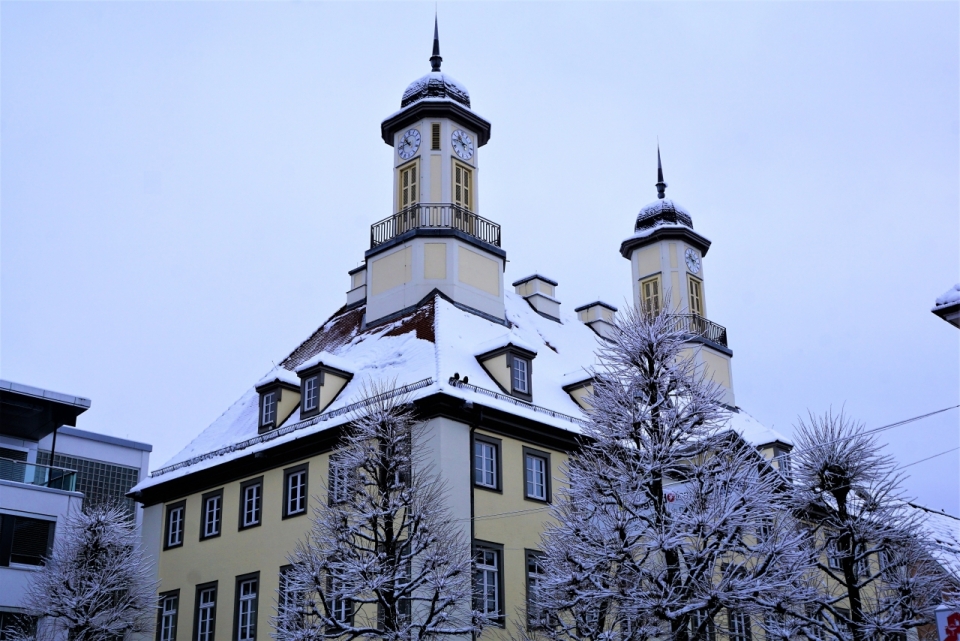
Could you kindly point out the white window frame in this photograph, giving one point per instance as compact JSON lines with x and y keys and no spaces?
{"x":311,"y":393}
{"x":252,"y":504}
{"x":520,"y":376}
{"x":247,"y":610}
{"x":738,"y":625}
{"x":207,"y":602}
{"x":169,"y":607}
{"x":212,"y":517}
{"x":485,"y":467}
{"x":339,"y":489}
{"x":268,"y":411}
{"x":696,"y":620}
{"x":340,"y":609}
{"x":534,"y":479}
{"x":536,"y":618}
{"x":296,"y":492}
{"x":487,"y":564}
{"x":175,"y":526}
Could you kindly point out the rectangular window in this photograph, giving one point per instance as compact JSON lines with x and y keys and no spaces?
{"x":487,"y":579}
{"x":25,"y":541}
{"x":205,"y":612}
{"x":212,"y":514}
{"x":167,"y":616}
{"x":537,"y":617}
{"x":251,"y":502}
{"x":521,"y":375}
{"x":268,"y":412}
{"x":245,"y":607}
{"x":174,"y":534}
{"x":340,"y":607}
{"x":739,"y":626}
{"x":295,"y":491}
{"x":435,"y":136}
{"x":702,"y":627}
{"x":338,"y":487}
{"x":408,"y":186}
{"x":650,"y":295}
{"x":536,"y":474}
{"x":486,"y":462}
{"x":696,"y":295}
{"x":834,"y":555}
{"x":462,"y":186}
{"x":311,"y":393}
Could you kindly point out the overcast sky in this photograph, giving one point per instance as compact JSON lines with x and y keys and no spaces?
{"x":185,"y":186}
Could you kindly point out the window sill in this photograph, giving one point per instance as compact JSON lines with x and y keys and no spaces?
{"x":495,"y":490}
{"x":294,"y":515}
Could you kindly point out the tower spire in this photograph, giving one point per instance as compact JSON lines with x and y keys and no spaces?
{"x":435,"y":59}
{"x":661,"y":186}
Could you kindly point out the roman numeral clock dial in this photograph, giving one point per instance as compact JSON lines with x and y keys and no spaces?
{"x":462,"y":144}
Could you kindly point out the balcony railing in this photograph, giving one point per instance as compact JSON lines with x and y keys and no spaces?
{"x":435,"y":216}
{"x":33,"y":474}
{"x":697,"y":325}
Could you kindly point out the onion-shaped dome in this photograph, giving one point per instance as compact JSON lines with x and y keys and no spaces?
{"x":435,"y":85}
{"x":663,"y":211}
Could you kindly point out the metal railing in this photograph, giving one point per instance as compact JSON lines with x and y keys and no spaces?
{"x":436,"y":216}
{"x":519,"y":403}
{"x":42,"y":475}
{"x":697,"y":325}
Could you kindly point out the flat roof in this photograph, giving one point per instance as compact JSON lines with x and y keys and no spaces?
{"x":48,"y":395}
{"x":104,"y":438}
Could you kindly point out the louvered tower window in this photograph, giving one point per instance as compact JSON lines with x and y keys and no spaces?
{"x":435,"y":136}
{"x":462,"y":186}
{"x":650,"y":295}
{"x":408,"y":186}
{"x":696,"y":296}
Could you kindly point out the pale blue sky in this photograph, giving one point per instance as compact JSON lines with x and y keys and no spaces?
{"x":185,"y":185}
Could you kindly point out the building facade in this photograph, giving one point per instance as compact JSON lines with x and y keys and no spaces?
{"x":35,"y":496}
{"x":500,"y":375}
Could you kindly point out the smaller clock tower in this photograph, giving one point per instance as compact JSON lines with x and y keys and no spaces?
{"x":666,"y":259}
{"x":435,"y":237}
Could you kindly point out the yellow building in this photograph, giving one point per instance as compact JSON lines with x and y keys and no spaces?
{"x":499,"y":376}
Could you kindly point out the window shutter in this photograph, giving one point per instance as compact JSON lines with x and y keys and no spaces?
{"x":435,"y":130}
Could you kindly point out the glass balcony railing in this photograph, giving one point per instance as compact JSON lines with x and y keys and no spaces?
{"x":43,"y":475}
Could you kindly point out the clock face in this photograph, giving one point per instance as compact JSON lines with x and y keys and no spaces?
{"x":693,"y":261}
{"x":409,"y":143}
{"x":462,"y":144}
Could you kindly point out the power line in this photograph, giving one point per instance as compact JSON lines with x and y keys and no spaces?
{"x":952,"y":449}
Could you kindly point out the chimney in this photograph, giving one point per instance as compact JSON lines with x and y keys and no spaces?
{"x":357,"y":294}
{"x":598,"y":316}
{"x":539,"y":291}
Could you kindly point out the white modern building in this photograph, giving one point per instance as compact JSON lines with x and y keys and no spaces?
{"x":48,"y":469}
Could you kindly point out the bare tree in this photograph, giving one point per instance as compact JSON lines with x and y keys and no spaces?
{"x":383,"y":559}
{"x":877,"y":576}
{"x":669,"y":518}
{"x":96,"y":586}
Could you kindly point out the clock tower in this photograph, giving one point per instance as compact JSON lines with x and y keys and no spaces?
{"x":665,"y":255}
{"x":435,"y":238}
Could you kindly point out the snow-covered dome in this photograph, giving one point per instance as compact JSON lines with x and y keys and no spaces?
{"x":660,"y":211}
{"x":435,"y":84}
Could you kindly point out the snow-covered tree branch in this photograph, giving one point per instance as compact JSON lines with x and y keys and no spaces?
{"x":671,"y":524}
{"x":383,"y":559}
{"x":877,"y":577}
{"x":96,"y":586}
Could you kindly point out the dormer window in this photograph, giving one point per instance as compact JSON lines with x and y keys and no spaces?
{"x":311,"y":392}
{"x":321,"y":382}
{"x":511,"y":367}
{"x":521,"y":375}
{"x":268,"y":413}
{"x":279,"y":397}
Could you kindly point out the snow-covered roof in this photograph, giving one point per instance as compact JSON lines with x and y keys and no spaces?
{"x":421,"y":350}
{"x":944,"y":530}
{"x":435,"y":84}
{"x":278,"y":374}
{"x":663,"y":210}
{"x":949,"y":297}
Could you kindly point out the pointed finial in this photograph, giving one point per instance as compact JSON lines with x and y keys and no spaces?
{"x":661,"y":186}
{"x":435,"y":59}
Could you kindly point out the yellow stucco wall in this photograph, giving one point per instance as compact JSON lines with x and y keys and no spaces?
{"x":435,"y":261}
{"x":513,"y":521}
{"x":648,"y":260}
{"x":478,"y":271}
{"x":236,"y":552}
{"x":391,"y":270}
